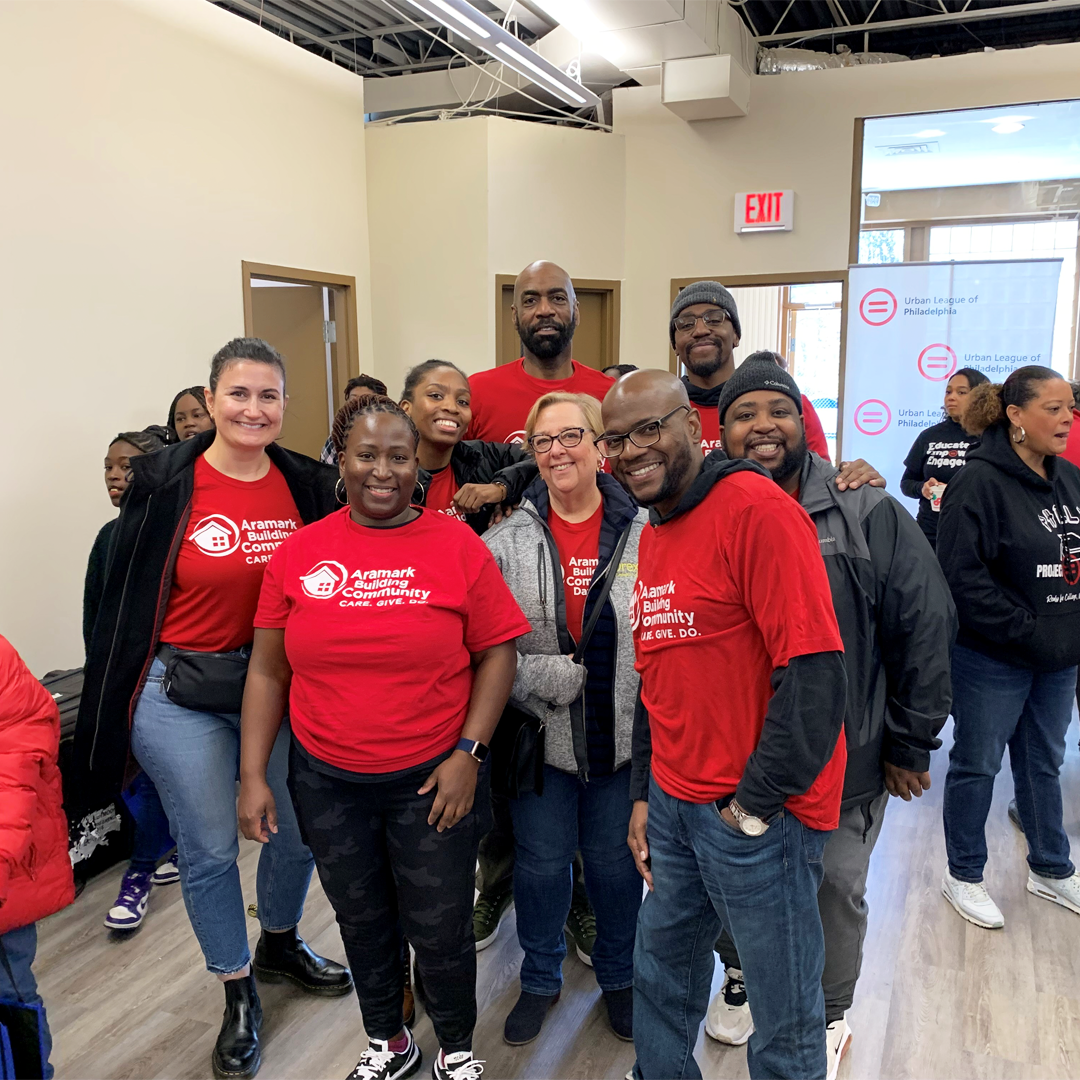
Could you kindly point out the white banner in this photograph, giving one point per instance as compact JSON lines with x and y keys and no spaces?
{"x":911,"y":325}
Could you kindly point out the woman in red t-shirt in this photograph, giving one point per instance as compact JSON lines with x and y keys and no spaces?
{"x":383,"y":769}
{"x":197,"y":527}
{"x":575,"y":532}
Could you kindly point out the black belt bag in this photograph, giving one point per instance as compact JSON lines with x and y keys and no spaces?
{"x":210,"y":682}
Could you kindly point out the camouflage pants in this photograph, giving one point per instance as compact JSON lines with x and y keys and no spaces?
{"x":386,"y":872}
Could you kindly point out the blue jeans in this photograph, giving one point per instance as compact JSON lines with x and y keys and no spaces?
{"x":548,"y":830}
{"x":19,"y":947}
{"x":193,"y":758}
{"x":763,"y":890}
{"x":152,"y":838}
{"x":997,"y":705}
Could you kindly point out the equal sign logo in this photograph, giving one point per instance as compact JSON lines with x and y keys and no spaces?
{"x":937,"y":362}
{"x":877,"y":307}
{"x":873,"y":416}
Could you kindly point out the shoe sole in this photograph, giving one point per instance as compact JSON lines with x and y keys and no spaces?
{"x":970,"y":918}
{"x":584,"y":957}
{"x":267,"y":976}
{"x":844,"y":1047}
{"x":124,"y":925}
{"x":245,"y":1074}
{"x":166,"y":881}
{"x":726,"y":1041}
{"x":1044,"y":893}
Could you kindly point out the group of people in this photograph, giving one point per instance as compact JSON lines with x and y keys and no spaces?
{"x":612,"y":630}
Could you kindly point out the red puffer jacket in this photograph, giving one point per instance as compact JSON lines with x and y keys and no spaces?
{"x":35,"y":869}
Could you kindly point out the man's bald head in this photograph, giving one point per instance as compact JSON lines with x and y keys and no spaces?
{"x":546,"y":315}
{"x":653,"y":405}
{"x":545,"y":275}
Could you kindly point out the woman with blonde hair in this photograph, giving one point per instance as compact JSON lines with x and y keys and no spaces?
{"x":569,"y":555}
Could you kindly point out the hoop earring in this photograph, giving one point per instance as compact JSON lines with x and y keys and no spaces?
{"x":337,"y":492}
{"x":1022,"y":436}
{"x":418,"y":500}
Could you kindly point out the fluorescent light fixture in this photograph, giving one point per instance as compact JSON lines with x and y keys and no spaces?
{"x":929,"y":133}
{"x":1008,"y":127}
{"x":501,"y":45}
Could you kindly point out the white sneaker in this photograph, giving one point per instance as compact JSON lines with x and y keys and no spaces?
{"x":728,"y":1019}
{"x":168,"y":873}
{"x":1063,"y":891}
{"x":972,"y":901}
{"x":837,"y":1041}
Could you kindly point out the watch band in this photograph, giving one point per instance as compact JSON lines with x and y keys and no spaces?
{"x":474,"y":748}
{"x":750,"y":824}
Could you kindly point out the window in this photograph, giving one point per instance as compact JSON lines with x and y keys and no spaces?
{"x":881,"y":246}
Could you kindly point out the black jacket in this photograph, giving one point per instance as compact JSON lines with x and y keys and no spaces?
{"x":805,"y":713}
{"x":153,"y":515}
{"x":95,"y":580}
{"x":1009,"y":543}
{"x":940,"y":451}
{"x":476,"y":462}
{"x":897,"y":622}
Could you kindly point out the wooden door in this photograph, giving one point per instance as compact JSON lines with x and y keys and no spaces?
{"x":596,"y":340}
{"x":291,"y":318}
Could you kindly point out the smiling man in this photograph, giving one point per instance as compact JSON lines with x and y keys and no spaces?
{"x":705,"y":331}
{"x":747,"y":762}
{"x":546,"y":315}
{"x":897,"y":622}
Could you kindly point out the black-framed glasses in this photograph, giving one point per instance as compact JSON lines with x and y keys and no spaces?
{"x":571,"y":436}
{"x":643,"y":435}
{"x":712,"y":319}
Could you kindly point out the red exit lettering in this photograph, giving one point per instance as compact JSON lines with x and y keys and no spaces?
{"x":763,"y":208}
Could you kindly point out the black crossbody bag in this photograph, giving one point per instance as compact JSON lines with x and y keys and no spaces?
{"x":517,"y":747}
{"x":204,"y":681}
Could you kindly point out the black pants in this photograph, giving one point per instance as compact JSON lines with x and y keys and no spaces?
{"x":386,"y":871}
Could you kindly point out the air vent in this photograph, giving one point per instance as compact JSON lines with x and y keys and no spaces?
{"x":897,"y":149}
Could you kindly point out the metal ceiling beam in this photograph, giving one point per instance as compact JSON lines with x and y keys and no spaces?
{"x":382,"y":31}
{"x":336,"y":50}
{"x":1009,"y":11}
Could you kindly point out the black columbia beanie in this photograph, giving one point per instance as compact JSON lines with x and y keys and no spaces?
{"x":704,"y":292}
{"x":754,"y":375}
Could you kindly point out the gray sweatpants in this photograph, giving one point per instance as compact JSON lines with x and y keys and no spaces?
{"x":842,"y":904}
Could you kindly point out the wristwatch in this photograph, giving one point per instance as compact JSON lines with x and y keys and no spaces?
{"x":474,"y":748}
{"x":750,"y":825}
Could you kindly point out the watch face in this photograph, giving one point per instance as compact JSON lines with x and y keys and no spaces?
{"x":753,"y":826}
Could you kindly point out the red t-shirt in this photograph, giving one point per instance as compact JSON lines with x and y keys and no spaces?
{"x":503,"y":396}
{"x":379,"y":628}
{"x":1072,"y":447}
{"x":815,"y":433}
{"x":441,"y":492}
{"x":727,"y":593}
{"x":579,"y":552}
{"x":233,"y":529}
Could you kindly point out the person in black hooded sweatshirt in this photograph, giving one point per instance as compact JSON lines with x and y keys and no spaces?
{"x":1009,"y":544}
{"x":940,"y":451}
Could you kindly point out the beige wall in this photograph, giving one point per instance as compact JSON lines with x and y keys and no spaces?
{"x":680,"y":178}
{"x":149,"y":148}
{"x":453,"y":203}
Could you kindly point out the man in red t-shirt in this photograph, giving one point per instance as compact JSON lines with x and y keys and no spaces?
{"x":707,"y":351}
{"x":546,"y":315}
{"x":743,"y":689}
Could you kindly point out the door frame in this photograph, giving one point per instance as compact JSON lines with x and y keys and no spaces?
{"x":802,"y":277}
{"x":347,"y":362}
{"x":612,"y":289}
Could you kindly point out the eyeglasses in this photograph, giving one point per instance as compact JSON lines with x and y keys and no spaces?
{"x":712,"y":319}
{"x":643,"y":435}
{"x":571,"y":436}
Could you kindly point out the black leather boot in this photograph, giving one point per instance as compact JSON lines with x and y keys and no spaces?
{"x":236,"y":1052}
{"x":286,"y":956}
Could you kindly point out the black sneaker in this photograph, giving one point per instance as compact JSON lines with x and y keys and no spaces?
{"x":581,"y":926}
{"x":379,"y":1062}
{"x":620,"y":1010}
{"x":459,"y":1066}
{"x":488,"y":915}
{"x":526,"y":1018}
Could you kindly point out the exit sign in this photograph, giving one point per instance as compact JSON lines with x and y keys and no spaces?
{"x":764,"y":211}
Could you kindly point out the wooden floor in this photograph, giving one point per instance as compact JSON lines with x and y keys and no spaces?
{"x":937,"y":998}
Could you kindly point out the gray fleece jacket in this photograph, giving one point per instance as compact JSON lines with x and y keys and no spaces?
{"x":549,"y":685}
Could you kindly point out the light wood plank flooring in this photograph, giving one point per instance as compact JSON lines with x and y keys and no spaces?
{"x":938,"y":997}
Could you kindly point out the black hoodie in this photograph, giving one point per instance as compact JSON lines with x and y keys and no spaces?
{"x":153,"y":515}
{"x":1009,"y":543}
{"x":941,"y":452}
{"x":805,"y":714}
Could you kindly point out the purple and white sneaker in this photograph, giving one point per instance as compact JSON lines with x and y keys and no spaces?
{"x":168,"y":873}
{"x":130,"y":907}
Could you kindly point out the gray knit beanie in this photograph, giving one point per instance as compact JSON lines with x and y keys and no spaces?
{"x":754,"y":375}
{"x":704,"y":292}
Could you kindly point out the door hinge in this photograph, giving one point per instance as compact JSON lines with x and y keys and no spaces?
{"x":329,"y":332}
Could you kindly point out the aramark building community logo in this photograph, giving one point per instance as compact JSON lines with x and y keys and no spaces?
{"x":324,"y":579}
{"x":216,"y":535}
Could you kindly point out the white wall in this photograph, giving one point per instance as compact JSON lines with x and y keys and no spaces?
{"x":680,"y":177}
{"x":149,"y":148}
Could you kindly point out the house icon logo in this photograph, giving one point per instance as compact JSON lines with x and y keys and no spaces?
{"x":216,"y":535}
{"x":324,"y":579}
{"x":636,"y":601}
